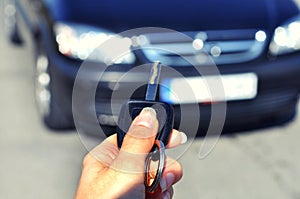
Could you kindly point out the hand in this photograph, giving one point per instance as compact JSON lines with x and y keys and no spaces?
{"x":112,"y":173}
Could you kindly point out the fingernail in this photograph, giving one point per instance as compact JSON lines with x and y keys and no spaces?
{"x":183,"y":137}
{"x":167,"y":181}
{"x":146,"y":118}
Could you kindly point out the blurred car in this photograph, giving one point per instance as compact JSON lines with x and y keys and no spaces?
{"x":254,"y":41}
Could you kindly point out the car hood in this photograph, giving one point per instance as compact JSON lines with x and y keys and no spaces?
{"x":120,"y":15}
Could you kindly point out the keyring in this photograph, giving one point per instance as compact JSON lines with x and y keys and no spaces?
{"x":159,"y":148}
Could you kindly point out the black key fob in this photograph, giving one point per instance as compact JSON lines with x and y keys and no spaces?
{"x":132,"y":109}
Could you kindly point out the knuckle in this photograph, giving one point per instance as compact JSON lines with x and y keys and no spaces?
{"x":86,"y":160}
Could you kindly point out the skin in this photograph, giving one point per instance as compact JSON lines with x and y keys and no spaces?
{"x":109,"y":172}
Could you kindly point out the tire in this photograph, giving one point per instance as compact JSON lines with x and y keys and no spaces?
{"x":47,"y":100}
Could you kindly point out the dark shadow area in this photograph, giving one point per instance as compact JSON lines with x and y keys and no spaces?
{"x":254,"y":127}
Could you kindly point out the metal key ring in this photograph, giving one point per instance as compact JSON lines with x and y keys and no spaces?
{"x":160,"y":148}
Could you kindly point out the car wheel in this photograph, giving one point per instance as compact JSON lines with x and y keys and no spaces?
{"x":51,"y":112}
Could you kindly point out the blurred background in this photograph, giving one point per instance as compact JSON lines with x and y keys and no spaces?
{"x":39,"y":162}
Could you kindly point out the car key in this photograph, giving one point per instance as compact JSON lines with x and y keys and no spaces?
{"x":132,"y":108}
{"x":164,"y":112}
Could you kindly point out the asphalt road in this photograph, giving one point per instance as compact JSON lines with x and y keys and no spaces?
{"x":39,"y":163}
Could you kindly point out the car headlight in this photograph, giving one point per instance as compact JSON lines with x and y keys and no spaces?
{"x":84,"y":42}
{"x":286,"y":38}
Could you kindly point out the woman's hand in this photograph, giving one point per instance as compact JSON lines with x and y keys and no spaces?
{"x":112,"y":173}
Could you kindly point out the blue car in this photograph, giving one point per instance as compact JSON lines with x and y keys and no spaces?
{"x":253,"y":44}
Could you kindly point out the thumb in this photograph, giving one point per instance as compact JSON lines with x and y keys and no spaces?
{"x":137,"y":142}
{"x":142,"y":132}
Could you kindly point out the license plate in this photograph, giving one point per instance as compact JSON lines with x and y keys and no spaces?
{"x":209,"y":88}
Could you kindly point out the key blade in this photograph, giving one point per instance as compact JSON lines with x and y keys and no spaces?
{"x":153,"y":81}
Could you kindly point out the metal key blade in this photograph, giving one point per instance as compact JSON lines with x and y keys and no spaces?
{"x":153,"y":81}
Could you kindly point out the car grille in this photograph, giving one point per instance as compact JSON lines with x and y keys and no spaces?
{"x":222,"y":47}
